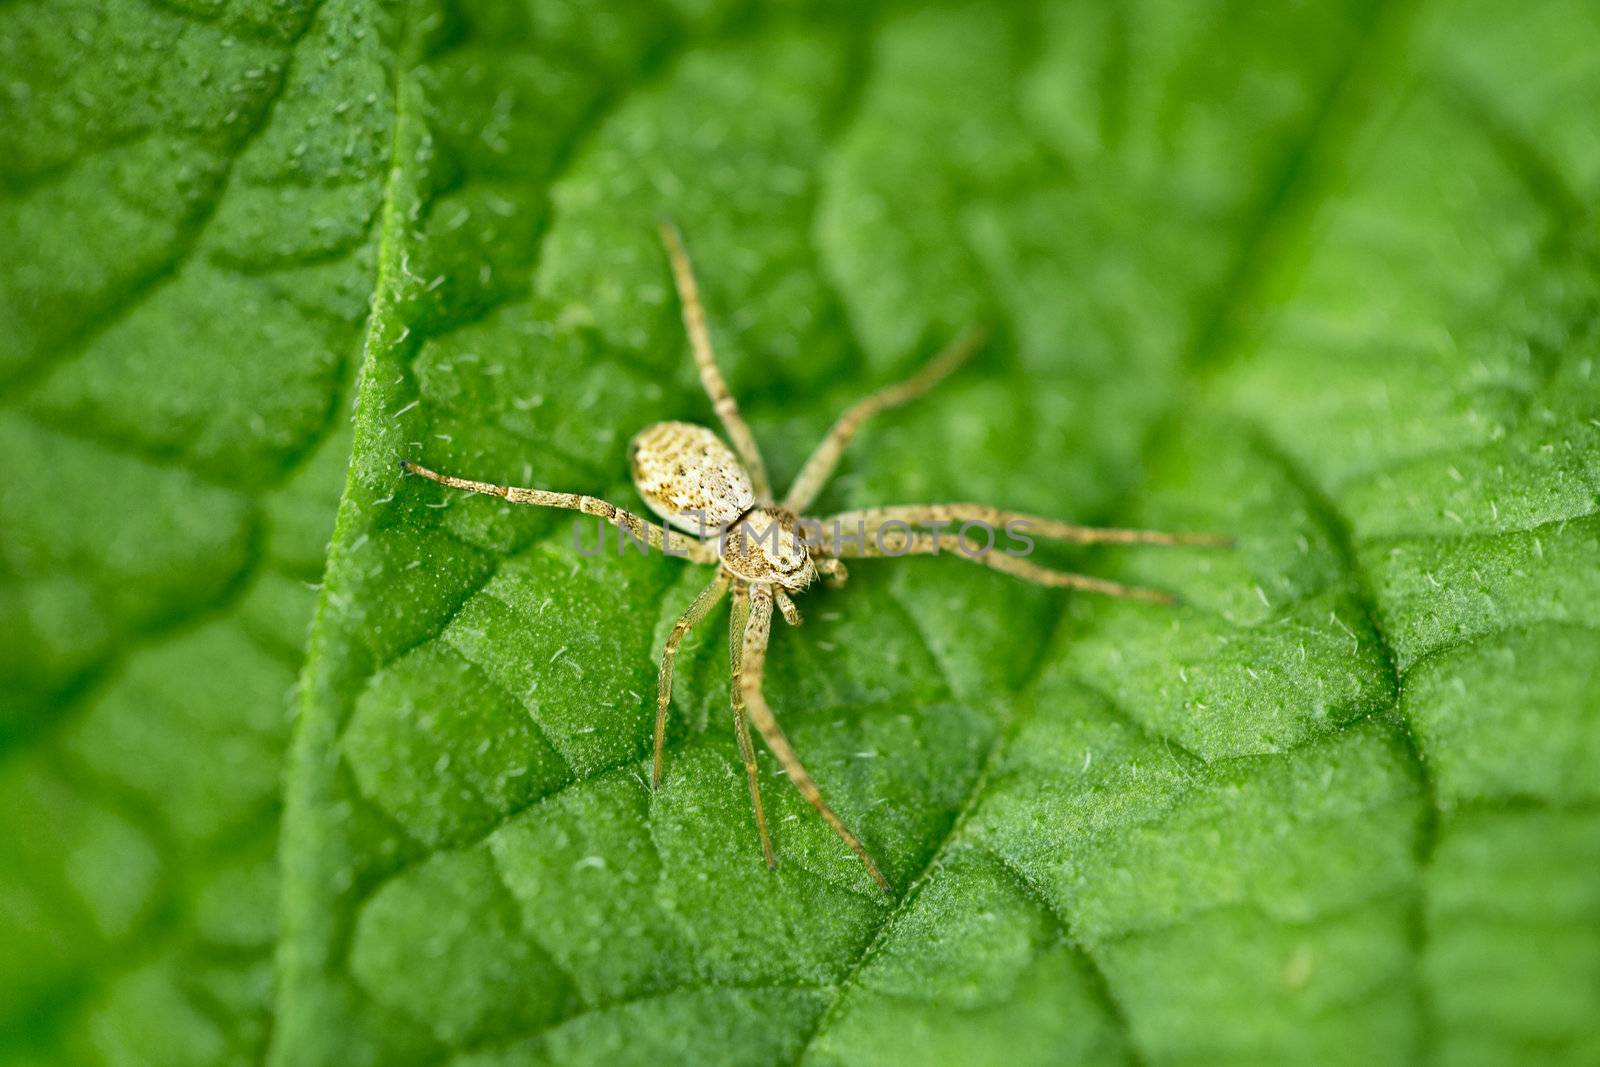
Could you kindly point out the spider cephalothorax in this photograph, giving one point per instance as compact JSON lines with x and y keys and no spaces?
{"x":764,"y":549}
{"x":767,"y":545}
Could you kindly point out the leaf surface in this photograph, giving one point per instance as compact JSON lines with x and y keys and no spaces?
{"x":188,"y":198}
{"x":1322,"y":276}
{"x":1253,"y":828}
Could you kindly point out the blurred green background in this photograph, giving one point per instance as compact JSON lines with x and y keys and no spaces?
{"x":1322,"y":275}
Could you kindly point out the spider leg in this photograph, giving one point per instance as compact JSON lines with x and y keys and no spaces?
{"x":898,"y":543}
{"x":693,"y":549}
{"x":708,"y":599}
{"x":791,"y":614}
{"x":694,"y":323}
{"x":814,"y":475}
{"x":833,"y":570}
{"x":757,"y":632}
{"x":741,"y":727}
{"x":870,"y":520}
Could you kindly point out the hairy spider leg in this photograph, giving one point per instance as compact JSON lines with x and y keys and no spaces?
{"x":833,"y":571}
{"x":757,"y":632}
{"x":708,"y":599}
{"x":695,"y":550}
{"x":819,"y":467}
{"x":791,"y":614}
{"x":741,"y":726}
{"x":694,"y":323}
{"x":899,"y":543}
{"x":871,"y":520}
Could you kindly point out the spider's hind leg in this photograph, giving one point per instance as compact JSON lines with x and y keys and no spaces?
{"x":661,"y":538}
{"x":694,"y":324}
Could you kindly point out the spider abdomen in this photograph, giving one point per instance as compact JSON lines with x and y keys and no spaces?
{"x":689,"y":477}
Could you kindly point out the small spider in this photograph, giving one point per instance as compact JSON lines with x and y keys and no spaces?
{"x":764,"y":550}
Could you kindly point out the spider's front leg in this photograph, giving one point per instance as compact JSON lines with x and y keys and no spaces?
{"x":708,"y":599}
{"x":757,"y":632}
{"x":737,"y":624}
{"x":791,"y":614}
{"x":869,"y":521}
{"x":833,"y":571}
{"x":897,"y":543}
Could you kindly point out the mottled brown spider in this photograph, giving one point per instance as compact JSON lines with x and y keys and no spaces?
{"x":764,"y":551}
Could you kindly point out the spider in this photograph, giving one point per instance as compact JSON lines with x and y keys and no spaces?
{"x":764,"y":550}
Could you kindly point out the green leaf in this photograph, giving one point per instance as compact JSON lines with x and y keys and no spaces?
{"x":1322,"y":276}
{"x":1255,"y":827}
{"x":188,"y":197}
